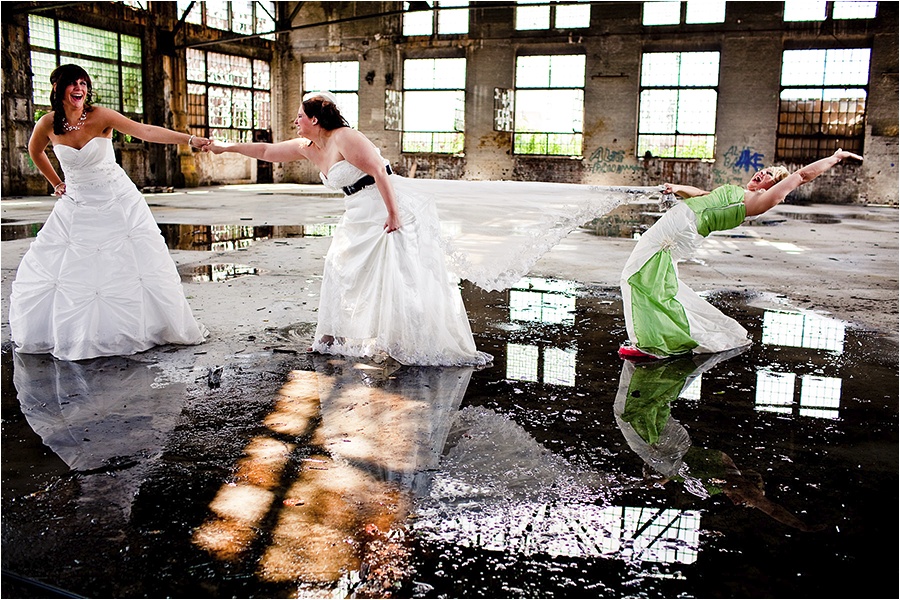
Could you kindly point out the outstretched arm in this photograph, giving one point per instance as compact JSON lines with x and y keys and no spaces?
{"x":759,"y":202}
{"x":685,"y":191}
{"x":277,"y":152}
{"x":143,"y":131}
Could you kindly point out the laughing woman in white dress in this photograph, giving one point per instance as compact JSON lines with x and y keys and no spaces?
{"x":98,"y":280}
{"x":386,"y":290}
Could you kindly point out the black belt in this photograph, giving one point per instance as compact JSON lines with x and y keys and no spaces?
{"x":364,"y":182}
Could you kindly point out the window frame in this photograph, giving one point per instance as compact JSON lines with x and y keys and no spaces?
{"x":552,"y":19}
{"x":43,"y":105}
{"x":205,"y":129}
{"x":518,"y":134}
{"x":435,"y":10}
{"x":339,"y":92}
{"x":675,"y":133}
{"x":829,"y":14}
{"x":256,"y":21}
{"x":820,"y":143}
{"x":683,"y":15}
{"x":459,"y":132}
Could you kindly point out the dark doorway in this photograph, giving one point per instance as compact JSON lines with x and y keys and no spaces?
{"x":263,"y":168}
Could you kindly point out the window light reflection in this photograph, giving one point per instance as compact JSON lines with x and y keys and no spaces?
{"x":543,"y":301}
{"x":692,"y":390}
{"x":664,"y":536}
{"x":802,"y":330}
{"x":523,"y":363}
{"x":820,"y":397}
{"x":559,"y":366}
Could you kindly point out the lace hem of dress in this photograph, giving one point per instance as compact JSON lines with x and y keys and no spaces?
{"x":372,"y":349}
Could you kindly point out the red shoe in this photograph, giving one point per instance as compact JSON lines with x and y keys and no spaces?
{"x":627,"y":351}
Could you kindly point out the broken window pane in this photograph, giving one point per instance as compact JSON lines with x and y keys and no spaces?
{"x":503,"y":109}
{"x":242,"y":16}
{"x":217,"y":14}
{"x":116,"y":74}
{"x":228,"y":95}
{"x":823,"y":102}
{"x":265,"y":18}
{"x":393,"y":110}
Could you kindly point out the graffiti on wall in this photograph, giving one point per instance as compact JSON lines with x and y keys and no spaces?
{"x":606,"y":160}
{"x":746,"y":159}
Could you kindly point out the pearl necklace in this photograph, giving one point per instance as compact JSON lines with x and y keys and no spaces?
{"x":76,"y":126}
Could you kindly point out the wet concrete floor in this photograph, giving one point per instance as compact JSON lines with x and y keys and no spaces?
{"x":559,"y":471}
{"x":246,"y":467}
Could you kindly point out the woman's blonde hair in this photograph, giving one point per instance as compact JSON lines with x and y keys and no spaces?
{"x":778,"y":172}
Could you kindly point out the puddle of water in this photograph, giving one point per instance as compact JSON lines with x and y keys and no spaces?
{"x":214,"y":238}
{"x":557,"y":471}
{"x":224,"y":238}
{"x":19,"y":231}
{"x":216,"y":273}
{"x":627,"y":221}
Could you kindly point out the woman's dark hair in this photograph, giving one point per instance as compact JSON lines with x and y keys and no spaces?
{"x":326,"y":112}
{"x":62,"y":77}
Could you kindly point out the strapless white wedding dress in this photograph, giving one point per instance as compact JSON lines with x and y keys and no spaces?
{"x":98,"y":280}
{"x":390,"y":294}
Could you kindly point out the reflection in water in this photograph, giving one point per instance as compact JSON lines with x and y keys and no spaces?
{"x":215,"y":238}
{"x":105,"y":414}
{"x":643,"y":414}
{"x":542,"y":301}
{"x":19,"y":231}
{"x":819,"y":396}
{"x":345,"y":447}
{"x":802,"y":330}
{"x":356,"y":474}
{"x":528,"y":362}
{"x":216,"y":273}
{"x":498,"y":489}
{"x":223,"y":238}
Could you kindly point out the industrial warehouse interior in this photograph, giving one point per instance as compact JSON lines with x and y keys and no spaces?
{"x":533,"y":146}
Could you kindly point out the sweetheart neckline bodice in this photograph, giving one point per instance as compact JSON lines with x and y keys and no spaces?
{"x":99,"y":137}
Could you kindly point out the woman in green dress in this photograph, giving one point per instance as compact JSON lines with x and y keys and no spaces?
{"x":663,"y":316}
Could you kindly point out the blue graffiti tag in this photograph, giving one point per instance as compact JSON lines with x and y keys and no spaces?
{"x":747,"y":160}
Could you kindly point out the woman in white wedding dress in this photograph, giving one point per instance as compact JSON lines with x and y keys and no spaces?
{"x":98,"y":279}
{"x":385,"y":290}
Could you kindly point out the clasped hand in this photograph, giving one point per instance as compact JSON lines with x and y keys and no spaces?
{"x":214,"y":146}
